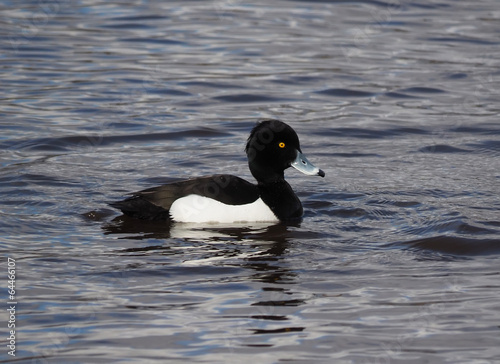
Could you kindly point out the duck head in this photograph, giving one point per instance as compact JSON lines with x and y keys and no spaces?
{"x":272,"y":147}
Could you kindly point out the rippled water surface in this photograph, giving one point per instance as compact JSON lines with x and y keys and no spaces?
{"x":397,"y":257}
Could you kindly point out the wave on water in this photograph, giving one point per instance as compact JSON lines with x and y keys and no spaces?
{"x":454,"y":245}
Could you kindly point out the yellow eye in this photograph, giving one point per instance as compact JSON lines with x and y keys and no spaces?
{"x":281,"y":145}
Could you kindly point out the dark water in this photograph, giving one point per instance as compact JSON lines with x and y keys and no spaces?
{"x":397,"y":258}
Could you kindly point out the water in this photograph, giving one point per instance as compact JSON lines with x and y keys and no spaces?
{"x":396,"y":259}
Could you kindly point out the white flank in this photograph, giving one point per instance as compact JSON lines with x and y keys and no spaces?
{"x":196,"y":208}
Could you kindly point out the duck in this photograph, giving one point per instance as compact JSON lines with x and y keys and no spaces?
{"x":272,"y":147}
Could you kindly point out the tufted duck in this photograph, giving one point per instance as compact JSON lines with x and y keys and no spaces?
{"x":272,"y":147}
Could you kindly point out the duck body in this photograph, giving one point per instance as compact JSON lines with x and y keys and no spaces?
{"x":272,"y":147}
{"x":218,"y":198}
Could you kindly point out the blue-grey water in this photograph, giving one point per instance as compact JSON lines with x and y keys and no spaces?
{"x":397,"y":257}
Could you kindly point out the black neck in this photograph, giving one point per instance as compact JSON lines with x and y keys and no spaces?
{"x":266,"y":175}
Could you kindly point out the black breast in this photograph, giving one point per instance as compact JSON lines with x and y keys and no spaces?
{"x":280,"y":197}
